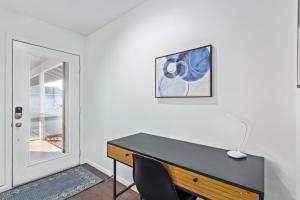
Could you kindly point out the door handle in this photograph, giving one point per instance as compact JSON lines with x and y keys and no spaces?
{"x":19,"y":124}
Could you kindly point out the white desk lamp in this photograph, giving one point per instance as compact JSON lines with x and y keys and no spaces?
{"x":237,"y":154}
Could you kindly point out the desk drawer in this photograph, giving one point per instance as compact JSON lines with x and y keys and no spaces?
{"x":120,"y":154}
{"x":207,"y":187}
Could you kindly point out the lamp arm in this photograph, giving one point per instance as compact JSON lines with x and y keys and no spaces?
{"x":245,"y":136}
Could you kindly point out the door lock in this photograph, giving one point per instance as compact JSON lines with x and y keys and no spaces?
{"x":19,"y":124}
{"x":18,"y":112}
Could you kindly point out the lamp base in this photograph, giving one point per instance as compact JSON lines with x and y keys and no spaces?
{"x":236,"y":154}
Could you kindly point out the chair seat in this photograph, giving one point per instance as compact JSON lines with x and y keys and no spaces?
{"x":184,"y":195}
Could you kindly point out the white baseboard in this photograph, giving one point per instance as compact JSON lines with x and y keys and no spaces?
{"x":4,"y":188}
{"x":110,"y":173}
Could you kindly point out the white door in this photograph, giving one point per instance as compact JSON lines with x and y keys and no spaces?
{"x":45,"y":111}
{"x":2,"y":110}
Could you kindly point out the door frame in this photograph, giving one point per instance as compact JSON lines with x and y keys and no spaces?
{"x":9,"y":103}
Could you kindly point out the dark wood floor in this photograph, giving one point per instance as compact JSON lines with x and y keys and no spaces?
{"x":103,"y":191}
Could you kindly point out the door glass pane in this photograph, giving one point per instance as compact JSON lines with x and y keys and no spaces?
{"x":47,"y":109}
{"x":35,"y":108}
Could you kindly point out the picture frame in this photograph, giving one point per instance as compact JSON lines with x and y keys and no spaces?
{"x":187,"y":74}
{"x":298,"y":47}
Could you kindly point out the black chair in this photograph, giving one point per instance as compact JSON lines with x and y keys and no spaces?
{"x":153,"y":181}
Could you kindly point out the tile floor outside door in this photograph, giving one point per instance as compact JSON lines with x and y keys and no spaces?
{"x":42,"y":150}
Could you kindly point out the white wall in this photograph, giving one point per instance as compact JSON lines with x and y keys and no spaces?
{"x":41,"y":33}
{"x":254,"y":65}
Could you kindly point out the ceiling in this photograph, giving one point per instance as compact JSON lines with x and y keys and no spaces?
{"x":36,"y":61}
{"x":81,"y":16}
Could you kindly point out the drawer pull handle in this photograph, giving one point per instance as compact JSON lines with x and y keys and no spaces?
{"x":127,"y":154}
{"x":195,"y":180}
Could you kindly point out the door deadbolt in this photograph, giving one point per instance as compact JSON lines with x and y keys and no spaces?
{"x":18,"y":112}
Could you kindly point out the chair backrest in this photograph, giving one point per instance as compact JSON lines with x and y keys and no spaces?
{"x":152,"y":180}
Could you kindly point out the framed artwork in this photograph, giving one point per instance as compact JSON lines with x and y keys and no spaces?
{"x":184,"y":74}
{"x":298,"y":44}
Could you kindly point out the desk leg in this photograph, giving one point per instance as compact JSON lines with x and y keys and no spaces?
{"x":115,"y":194}
{"x":115,"y":181}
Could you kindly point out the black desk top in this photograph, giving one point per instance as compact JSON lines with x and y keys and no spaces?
{"x":212,"y":162}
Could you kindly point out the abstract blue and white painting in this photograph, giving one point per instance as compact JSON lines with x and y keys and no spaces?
{"x":185,"y":74}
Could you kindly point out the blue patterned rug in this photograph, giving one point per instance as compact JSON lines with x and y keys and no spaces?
{"x":56,"y":187}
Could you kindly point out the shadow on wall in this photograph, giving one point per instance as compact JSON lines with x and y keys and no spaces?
{"x":199,"y":100}
{"x":189,"y":101}
{"x":275,"y":189}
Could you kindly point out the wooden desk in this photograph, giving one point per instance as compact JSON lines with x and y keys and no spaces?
{"x":205,"y":171}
